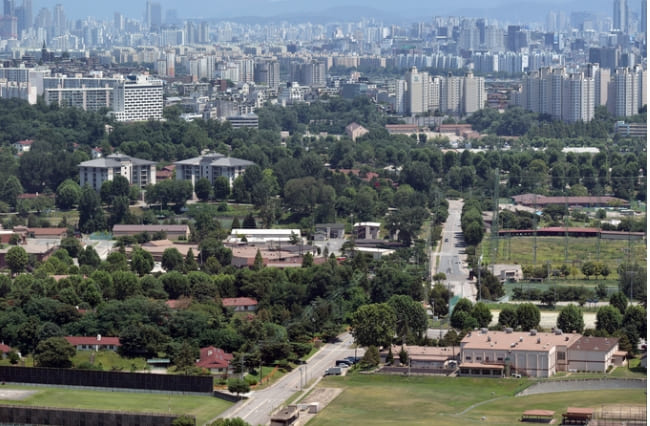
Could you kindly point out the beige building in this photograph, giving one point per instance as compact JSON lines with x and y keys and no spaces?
{"x":527,"y":353}
{"x":593,"y":354}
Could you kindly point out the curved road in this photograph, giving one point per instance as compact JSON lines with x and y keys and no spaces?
{"x":259,"y":406}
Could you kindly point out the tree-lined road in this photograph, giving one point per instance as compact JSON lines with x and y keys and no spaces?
{"x":452,"y":254}
{"x":259,"y":406}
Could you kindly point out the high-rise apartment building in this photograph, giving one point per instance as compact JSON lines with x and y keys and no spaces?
{"x":417,"y":97}
{"x":268,"y":73}
{"x":563,"y":96}
{"x":627,"y":91}
{"x":473,"y":94}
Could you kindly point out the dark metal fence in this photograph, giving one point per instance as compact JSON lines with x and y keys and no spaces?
{"x":107,"y":379}
{"x":16,"y":414}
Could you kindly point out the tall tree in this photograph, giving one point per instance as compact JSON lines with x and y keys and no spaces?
{"x":373,"y":324}
{"x":570,"y":319}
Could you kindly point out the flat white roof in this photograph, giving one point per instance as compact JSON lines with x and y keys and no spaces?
{"x":262,"y":232}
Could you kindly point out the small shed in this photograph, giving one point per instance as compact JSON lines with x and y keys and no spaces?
{"x":577,"y":416}
{"x":538,"y":416}
{"x":286,"y":416}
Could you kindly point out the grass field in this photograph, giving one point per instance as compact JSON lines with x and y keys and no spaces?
{"x":551,"y":249}
{"x":448,"y":401}
{"x":203,"y":407}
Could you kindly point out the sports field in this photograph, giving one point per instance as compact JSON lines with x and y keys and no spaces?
{"x":552,"y":249}
{"x":203,"y":407}
{"x":376,"y":399}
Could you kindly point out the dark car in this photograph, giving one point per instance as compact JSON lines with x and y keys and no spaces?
{"x":353,"y":359}
{"x":345,"y":362}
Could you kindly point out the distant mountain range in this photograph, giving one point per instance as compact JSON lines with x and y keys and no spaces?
{"x":387,"y":11}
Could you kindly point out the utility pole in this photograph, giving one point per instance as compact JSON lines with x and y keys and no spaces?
{"x":480,"y":262}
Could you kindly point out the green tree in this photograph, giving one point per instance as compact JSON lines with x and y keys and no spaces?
{"x":184,"y":420}
{"x":608,"y":318}
{"x":68,"y":194}
{"x":411,"y":317}
{"x":508,"y":317}
{"x":54,"y":352}
{"x":141,"y":261}
{"x":439,"y":299}
{"x":238,"y":386}
{"x":632,"y":280}
{"x":221,"y":188}
{"x":464,"y":306}
{"x":528,"y":316}
{"x":482,"y":314}
{"x":588,"y":269}
{"x":202,"y":188}
{"x":72,"y":246}
{"x":619,"y":301}
{"x":636,"y":318}
{"x":172,"y":260}
{"x":373,"y":324}
{"x":89,"y":256}
{"x":371,"y":358}
{"x":16,"y":259}
{"x":570,"y":319}
{"x":91,"y":215}
{"x":11,"y":189}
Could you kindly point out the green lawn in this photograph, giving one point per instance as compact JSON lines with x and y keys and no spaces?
{"x":612,"y":252}
{"x":109,"y":360}
{"x":203,"y":407}
{"x":447,"y":401}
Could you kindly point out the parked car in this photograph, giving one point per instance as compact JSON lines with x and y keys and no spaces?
{"x":345,"y":361}
{"x":353,"y":359}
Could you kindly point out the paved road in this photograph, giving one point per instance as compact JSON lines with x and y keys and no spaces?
{"x":452,"y":257}
{"x":257,"y":409}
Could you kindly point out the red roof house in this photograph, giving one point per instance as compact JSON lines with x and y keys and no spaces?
{"x":83,"y":343}
{"x":240,"y":304}
{"x":214,"y":359}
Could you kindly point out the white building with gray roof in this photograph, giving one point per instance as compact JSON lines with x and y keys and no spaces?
{"x":211,"y":166}
{"x":136,"y":170}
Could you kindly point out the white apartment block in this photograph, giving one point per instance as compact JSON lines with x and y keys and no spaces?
{"x":137,"y":171}
{"x":23,"y":83}
{"x":564,"y":96}
{"x":474,"y":96}
{"x":417,"y":99}
{"x":134,"y":98}
{"x":139,"y":98}
{"x":211,"y":166}
{"x":627,"y":91}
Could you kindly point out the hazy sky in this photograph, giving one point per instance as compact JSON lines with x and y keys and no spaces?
{"x":506,"y":9}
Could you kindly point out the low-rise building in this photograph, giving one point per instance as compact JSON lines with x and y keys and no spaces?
{"x":211,"y":166}
{"x":98,"y":343}
{"x":355,"y":130}
{"x":216,"y":360}
{"x":593,"y":354}
{"x":256,"y":236}
{"x":137,"y":171}
{"x":240,"y":304}
{"x":366,"y":230}
{"x":527,"y":353}
{"x":172,"y":231}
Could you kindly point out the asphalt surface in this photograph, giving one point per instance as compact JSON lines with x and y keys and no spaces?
{"x":260,"y":405}
{"x":452,"y":259}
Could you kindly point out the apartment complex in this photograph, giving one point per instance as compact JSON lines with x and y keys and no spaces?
{"x":131,"y":98}
{"x":421,"y":93}
{"x":211,"y":166}
{"x":135,"y":170}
